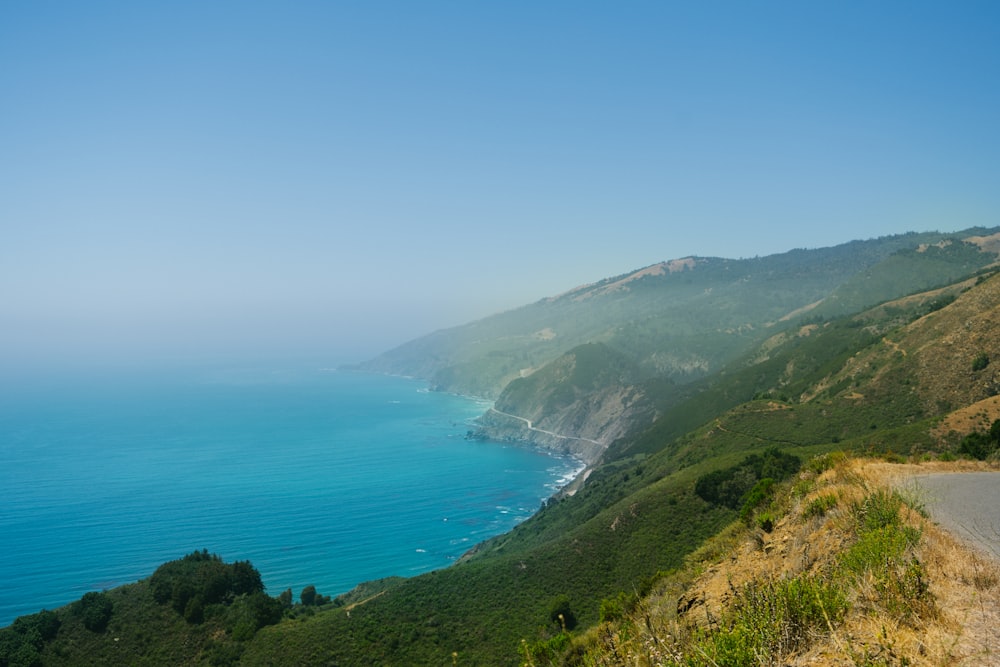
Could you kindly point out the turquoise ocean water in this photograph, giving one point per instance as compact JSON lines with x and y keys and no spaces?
{"x":317,"y":477}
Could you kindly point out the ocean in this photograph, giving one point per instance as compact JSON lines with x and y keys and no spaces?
{"x":315,"y":476}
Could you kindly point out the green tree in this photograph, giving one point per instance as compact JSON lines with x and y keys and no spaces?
{"x":95,"y":610}
{"x":561,"y":613}
{"x":981,"y":361}
{"x":252,"y":612}
{"x":285,"y":598}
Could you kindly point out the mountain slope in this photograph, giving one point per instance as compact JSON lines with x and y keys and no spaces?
{"x":636,"y":513}
{"x":884,"y":379}
{"x":686,"y":318}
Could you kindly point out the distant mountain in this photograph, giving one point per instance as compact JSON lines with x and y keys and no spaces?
{"x":678,"y":456}
{"x":599,"y":362}
{"x":686,"y":318}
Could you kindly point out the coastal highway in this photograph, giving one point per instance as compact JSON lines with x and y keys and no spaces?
{"x":541,"y":430}
{"x":966,"y":503}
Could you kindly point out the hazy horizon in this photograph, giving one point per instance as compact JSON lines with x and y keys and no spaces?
{"x":236,"y":183}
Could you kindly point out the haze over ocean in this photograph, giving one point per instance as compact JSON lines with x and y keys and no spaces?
{"x":316,"y":477}
{"x":192,"y":184}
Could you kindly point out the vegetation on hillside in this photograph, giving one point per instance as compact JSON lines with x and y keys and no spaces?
{"x":686,"y":319}
{"x":852,"y":573}
{"x":589,"y":578}
{"x":193,"y":610}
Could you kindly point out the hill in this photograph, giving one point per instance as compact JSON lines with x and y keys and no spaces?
{"x":897,"y":378}
{"x":843,"y":568}
{"x":687,"y":318}
{"x":669,"y":325}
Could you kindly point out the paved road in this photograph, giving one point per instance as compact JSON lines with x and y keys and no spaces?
{"x":967,"y":503}
{"x":541,"y":430}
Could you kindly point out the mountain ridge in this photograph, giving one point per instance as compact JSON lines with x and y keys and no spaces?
{"x":617,"y":409}
{"x":907,"y":377}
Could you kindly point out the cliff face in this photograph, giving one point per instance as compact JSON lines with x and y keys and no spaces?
{"x":503,"y":427}
{"x":582,"y":429}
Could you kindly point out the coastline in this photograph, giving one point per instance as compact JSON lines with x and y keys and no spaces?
{"x":518,"y":430}
{"x":288,"y":445}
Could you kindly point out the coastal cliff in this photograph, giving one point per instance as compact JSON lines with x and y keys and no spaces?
{"x":576,"y":405}
{"x":583,"y":429}
{"x":503,"y":427}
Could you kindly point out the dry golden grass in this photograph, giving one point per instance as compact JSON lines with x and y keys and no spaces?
{"x":955,"y":622}
{"x":976,"y":417}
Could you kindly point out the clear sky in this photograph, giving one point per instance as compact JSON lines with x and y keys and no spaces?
{"x":324,"y":180}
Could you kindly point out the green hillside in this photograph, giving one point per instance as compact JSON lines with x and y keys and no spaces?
{"x":686,"y":318}
{"x":877,"y":379}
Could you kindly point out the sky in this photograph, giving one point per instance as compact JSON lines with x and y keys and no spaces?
{"x":233,"y":181}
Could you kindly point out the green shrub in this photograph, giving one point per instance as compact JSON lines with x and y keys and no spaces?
{"x":981,"y":361}
{"x":803,"y":487}
{"x":882,"y":555}
{"x":773,"y":619}
{"x":878,"y":510}
{"x":22,"y":642}
{"x":757,"y":496}
{"x":820,"y":505}
{"x":878,"y":549}
{"x":732,"y":486}
{"x":95,"y":610}
{"x":249,"y":613}
{"x":200,"y":579}
{"x":978,"y":446}
{"x":615,"y":608}
{"x":820,"y":464}
{"x":561,"y":613}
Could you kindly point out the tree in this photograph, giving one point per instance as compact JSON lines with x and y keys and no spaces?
{"x":205,"y":579}
{"x":981,"y":361}
{"x":561,"y":614}
{"x":245,"y":578}
{"x":285,"y":598}
{"x":308,"y":595}
{"x":95,"y":610}
{"x":252,"y":612}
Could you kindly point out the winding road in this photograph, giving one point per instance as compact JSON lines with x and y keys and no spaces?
{"x":966,"y":503}
{"x":541,"y":430}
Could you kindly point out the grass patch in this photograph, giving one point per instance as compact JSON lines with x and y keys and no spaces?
{"x":776,"y":618}
{"x":820,"y":505}
{"x":882,"y":561}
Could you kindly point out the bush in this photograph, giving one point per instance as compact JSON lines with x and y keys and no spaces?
{"x":616,"y":608}
{"x":732,"y":486}
{"x":823,"y":462}
{"x":981,"y":361}
{"x":561,"y":614}
{"x":978,"y":446}
{"x":285,"y":598}
{"x":252,"y":612}
{"x":45,"y":623}
{"x":880,"y":555}
{"x":761,"y":492}
{"x":201,"y":579}
{"x":820,"y":505}
{"x":21,"y":643}
{"x":773,"y":619}
{"x":878,"y":510}
{"x":95,"y":610}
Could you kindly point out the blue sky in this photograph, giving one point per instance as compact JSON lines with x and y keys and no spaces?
{"x":324,"y":180}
